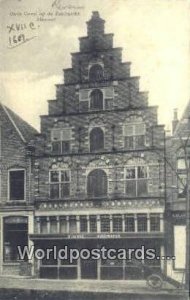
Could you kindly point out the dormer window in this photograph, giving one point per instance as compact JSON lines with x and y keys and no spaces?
{"x":96,"y":73}
{"x":61,"y":141}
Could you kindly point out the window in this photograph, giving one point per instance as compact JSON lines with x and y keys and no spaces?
{"x":93,"y":223}
{"x":134,"y":134}
{"x":105,"y":223}
{"x":61,"y":139}
{"x":96,"y":73}
{"x":83,"y":224}
{"x":117,"y":223}
{"x":63,"y":225}
{"x":182,"y":174}
{"x":59,"y":184}
{"x":96,"y":100}
{"x":96,"y":139}
{"x":53,"y":225}
{"x":136,"y":181}
{"x":97,"y":183}
{"x":15,"y":234}
{"x":154,"y":222}
{"x":72,"y":224}
{"x":17,"y":184}
{"x":142,"y":222}
{"x":129,"y":223}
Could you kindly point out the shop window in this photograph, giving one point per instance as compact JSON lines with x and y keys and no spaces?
{"x":93,"y":223}
{"x":96,"y":139}
{"x":43,"y":225}
{"x":61,"y":141}
{"x":97,"y":183}
{"x":83,"y":224}
{"x":15,"y":234}
{"x":134,"y":134}
{"x":142,"y":222}
{"x":96,"y":100}
{"x":17,"y":184}
{"x":96,"y":73}
{"x":154,"y":222}
{"x":129,"y":223}
{"x":63,"y":225}
{"x":105,"y":223}
{"x":53,"y":225}
{"x":136,"y":181}
{"x":117,"y":223}
{"x":60,"y":184}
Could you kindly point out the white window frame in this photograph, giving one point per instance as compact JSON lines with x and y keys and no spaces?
{"x":12,"y":170}
{"x":59,"y":182}
{"x":61,"y":131}
{"x":136,"y":178}
{"x":133,"y":124}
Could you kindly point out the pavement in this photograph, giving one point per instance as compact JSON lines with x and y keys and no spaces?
{"x":95,"y":286}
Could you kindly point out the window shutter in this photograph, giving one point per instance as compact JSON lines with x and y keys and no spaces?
{"x":84,"y":95}
{"x":108,"y":92}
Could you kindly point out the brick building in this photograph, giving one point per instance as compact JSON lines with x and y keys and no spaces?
{"x":178,"y":156}
{"x":99,"y":166}
{"x":16,"y":181}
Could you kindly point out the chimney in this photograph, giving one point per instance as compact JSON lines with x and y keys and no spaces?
{"x":175,"y":120}
{"x":95,"y":26}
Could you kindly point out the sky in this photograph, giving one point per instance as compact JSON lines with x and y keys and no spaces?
{"x":154,"y":35}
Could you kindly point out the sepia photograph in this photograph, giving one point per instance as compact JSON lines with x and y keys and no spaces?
{"x":95,"y":150}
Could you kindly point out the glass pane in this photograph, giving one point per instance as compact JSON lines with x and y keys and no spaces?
{"x":17,"y":185}
{"x":56,"y":147}
{"x":182,"y":185}
{"x":142,"y":172}
{"x":139,"y":141}
{"x":65,"y":189}
{"x":83,"y":224}
{"x":129,"y":142}
{"x":56,"y":135}
{"x":139,"y":129}
{"x":131,"y":188}
{"x":105,"y":223}
{"x":93,"y":224}
{"x":63,"y":225}
{"x":155,"y":222}
{"x":66,"y":134}
{"x":65,"y":176}
{"x":54,"y":191}
{"x":142,"y":222}
{"x":130,"y":173}
{"x":72,"y":225}
{"x":181,"y":164}
{"x":65,"y":147}
{"x":117,"y":223}
{"x":54,"y":176}
{"x":129,"y":223}
{"x":142,"y":189}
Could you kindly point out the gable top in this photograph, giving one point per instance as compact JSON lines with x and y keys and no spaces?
{"x":24,"y":130}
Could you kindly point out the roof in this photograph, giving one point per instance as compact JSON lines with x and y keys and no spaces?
{"x":183,"y":126}
{"x":24,"y":130}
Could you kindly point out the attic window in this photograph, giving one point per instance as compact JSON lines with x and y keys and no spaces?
{"x":96,"y":73}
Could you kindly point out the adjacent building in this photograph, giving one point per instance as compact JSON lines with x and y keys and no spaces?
{"x":16,"y":182}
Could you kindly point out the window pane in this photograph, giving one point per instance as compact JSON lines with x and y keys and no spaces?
{"x":131,"y":188}
{"x":56,"y":135}
{"x":181,"y":164}
{"x":139,"y":129}
{"x":65,"y":176}
{"x":63,"y":225}
{"x":54,"y":191}
{"x":129,"y":142}
{"x":139,"y":141}
{"x":142,"y":188}
{"x":96,"y":139}
{"x":182,"y":185}
{"x":56,"y":147}
{"x":142,"y":172}
{"x":17,"y":183}
{"x":117,"y":223}
{"x":96,"y":99}
{"x":54,"y":176}
{"x":83,"y":224}
{"x":142,"y":222}
{"x":65,"y":134}
{"x":65,"y":189}
{"x":105,"y":223}
{"x":128,"y":130}
{"x":72,"y":224}
{"x":65,"y":147}
{"x":96,"y":73}
{"x":129,"y":223}
{"x":130,"y":173}
{"x":155,"y":222}
{"x":93,"y":224}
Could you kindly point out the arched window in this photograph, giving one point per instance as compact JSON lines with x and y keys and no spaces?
{"x":96,"y":139}
{"x":97,"y":183}
{"x":96,"y":73}
{"x":96,"y":99}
